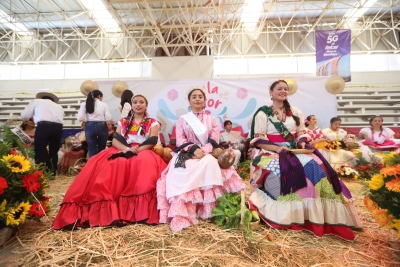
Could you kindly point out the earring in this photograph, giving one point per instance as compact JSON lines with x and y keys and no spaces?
{"x":271,"y":97}
{"x":204,"y":107}
{"x":190,"y":107}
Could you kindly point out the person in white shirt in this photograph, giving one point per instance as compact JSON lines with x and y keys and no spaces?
{"x":49,"y":117}
{"x":225,"y":143}
{"x":126,"y":103}
{"x":96,"y":114}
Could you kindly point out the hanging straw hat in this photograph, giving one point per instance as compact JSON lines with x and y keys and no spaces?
{"x":52,"y":96}
{"x":335,"y":85}
{"x":88,"y":86}
{"x":292,"y":85}
{"x":118,"y":88}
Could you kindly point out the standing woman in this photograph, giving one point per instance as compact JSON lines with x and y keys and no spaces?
{"x":294,"y":190}
{"x":96,"y":114}
{"x":126,"y":103}
{"x":193,"y":181}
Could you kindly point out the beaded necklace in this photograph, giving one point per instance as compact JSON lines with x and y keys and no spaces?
{"x":276,"y":112}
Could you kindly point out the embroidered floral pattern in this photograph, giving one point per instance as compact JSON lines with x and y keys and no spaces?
{"x":143,"y":127}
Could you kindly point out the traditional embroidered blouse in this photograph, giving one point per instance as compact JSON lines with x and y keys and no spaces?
{"x":378,"y":137}
{"x":137,"y":132}
{"x":338,"y":135}
{"x":314,"y":134}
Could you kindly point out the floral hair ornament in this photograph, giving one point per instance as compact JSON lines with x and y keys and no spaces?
{"x":306,"y":121}
{"x":201,"y":88}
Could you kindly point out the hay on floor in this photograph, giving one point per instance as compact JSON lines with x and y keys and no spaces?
{"x":202,"y":245}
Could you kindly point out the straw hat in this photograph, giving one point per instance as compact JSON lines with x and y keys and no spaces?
{"x":118,"y":88}
{"x":292,"y":85}
{"x":88,"y":86}
{"x":52,"y":96}
{"x":335,"y":85}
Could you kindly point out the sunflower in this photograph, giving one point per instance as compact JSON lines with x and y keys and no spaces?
{"x":376,"y":182}
{"x":394,"y":185}
{"x":382,"y":218}
{"x":3,"y":207}
{"x":3,"y":184}
{"x":17,"y":163}
{"x":396,"y":224}
{"x":17,"y":215}
{"x":370,"y":204}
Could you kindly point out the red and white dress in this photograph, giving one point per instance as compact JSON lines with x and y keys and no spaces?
{"x":186,"y":194}
{"x":380,"y":139}
{"x":115,"y":192}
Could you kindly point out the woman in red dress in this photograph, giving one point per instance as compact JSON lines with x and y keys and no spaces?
{"x":118,"y":185}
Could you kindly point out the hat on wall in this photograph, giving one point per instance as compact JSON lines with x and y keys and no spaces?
{"x":118,"y":88}
{"x":52,"y":96}
{"x":88,"y":86}
{"x":292,"y":84}
{"x":335,"y":85}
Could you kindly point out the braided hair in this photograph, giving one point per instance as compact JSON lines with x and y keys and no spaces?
{"x":370,"y":122}
{"x":286,"y":104}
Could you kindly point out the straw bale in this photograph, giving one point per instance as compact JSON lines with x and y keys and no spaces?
{"x":202,"y":245}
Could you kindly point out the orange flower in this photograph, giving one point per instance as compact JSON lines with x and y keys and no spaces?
{"x":370,"y":204}
{"x":382,"y":218}
{"x":390,"y":170}
{"x":394,"y":185}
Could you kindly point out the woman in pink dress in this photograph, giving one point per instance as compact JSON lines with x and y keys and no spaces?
{"x":378,"y":136}
{"x":193,"y":181}
{"x":118,"y":185}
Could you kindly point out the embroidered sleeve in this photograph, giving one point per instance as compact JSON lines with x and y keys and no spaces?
{"x":213,"y":134}
{"x":300,"y":130}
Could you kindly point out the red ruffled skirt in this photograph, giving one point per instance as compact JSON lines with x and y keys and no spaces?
{"x":114,"y":192}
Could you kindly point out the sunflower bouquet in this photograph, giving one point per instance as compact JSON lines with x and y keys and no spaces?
{"x":22,"y":183}
{"x":383,"y":200}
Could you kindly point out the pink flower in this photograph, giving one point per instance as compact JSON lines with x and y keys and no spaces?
{"x":241,"y":93}
{"x":172,"y":94}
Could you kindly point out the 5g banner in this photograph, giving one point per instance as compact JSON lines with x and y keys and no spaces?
{"x":333,"y":53}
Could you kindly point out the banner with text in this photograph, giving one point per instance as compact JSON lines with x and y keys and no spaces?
{"x":227,"y":99}
{"x":333,"y":53}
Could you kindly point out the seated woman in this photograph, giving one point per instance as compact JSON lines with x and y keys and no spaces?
{"x":193,"y":181}
{"x":80,"y":139}
{"x":332,"y":149}
{"x":377,"y":136}
{"x":226,"y":143}
{"x":29,"y":129}
{"x":292,"y":190}
{"x":111,"y":131}
{"x":118,"y":185}
{"x":315,"y":133}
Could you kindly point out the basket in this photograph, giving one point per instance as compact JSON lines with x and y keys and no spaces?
{"x":5,"y":235}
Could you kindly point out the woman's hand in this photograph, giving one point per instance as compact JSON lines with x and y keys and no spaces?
{"x":280,"y":148}
{"x":134,"y":149}
{"x":198,"y":153}
{"x":303,"y":145}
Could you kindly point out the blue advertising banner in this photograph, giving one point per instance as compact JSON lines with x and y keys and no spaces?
{"x":333,"y":53}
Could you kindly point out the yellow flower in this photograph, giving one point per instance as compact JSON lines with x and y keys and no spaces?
{"x":356,"y":177}
{"x":342,"y":173}
{"x":376,"y":182}
{"x":394,"y":185}
{"x":382,"y":218}
{"x":388,"y":156}
{"x":3,"y":207}
{"x":396,"y":224}
{"x":17,"y":163}
{"x":17,"y":215}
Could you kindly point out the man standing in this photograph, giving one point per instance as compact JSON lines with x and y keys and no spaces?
{"x":49,"y":118}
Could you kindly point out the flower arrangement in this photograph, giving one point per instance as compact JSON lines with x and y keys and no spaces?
{"x":22,"y":184}
{"x":368,"y":169}
{"x":333,"y":145}
{"x":383,"y":200}
{"x":346,"y":171}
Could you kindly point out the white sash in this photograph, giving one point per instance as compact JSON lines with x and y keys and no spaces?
{"x":23,"y":136}
{"x":198,"y":128}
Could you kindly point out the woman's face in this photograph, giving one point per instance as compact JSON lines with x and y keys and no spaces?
{"x":376,"y":122}
{"x":139,"y":105}
{"x":280,"y":92}
{"x":313,"y":121}
{"x":109,"y":126}
{"x":31,"y":123}
{"x":197,"y":100}
{"x":336,"y":125}
{"x":83,"y":125}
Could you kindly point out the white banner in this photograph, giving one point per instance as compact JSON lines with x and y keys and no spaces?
{"x":232,"y":99}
